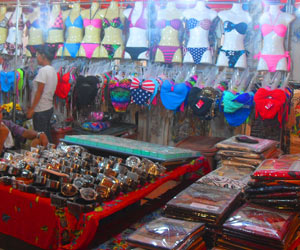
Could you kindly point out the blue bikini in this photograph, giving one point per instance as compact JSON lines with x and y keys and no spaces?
{"x":7,"y":80}
{"x":73,"y":48}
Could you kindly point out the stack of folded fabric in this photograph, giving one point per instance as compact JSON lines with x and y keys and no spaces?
{"x":203,"y":203}
{"x":246,"y":151}
{"x":228,"y":177}
{"x":255,"y":227}
{"x":276,"y":183}
{"x":166,"y":233}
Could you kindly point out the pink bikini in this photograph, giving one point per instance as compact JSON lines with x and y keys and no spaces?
{"x":272,"y":60}
{"x":96,"y":23}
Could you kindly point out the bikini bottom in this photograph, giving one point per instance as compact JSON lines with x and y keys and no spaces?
{"x":57,"y":46}
{"x":197,"y":53}
{"x":233,"y":56}
{"x":272,"y":60}
{"x":89,"y":48}
{"x":111,"y":49}
{"x":168,"y":52}
{"x":72,"y":48}
{"x":7,"y":80}
{"x":134,"y":52}
{"x":33,"y":49}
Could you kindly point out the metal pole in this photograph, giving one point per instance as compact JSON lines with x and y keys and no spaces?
{"x":16,"y":60}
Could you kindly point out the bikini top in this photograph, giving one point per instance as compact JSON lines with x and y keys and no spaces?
{"x":34,"y":24}
{"x":115,"y":23}
{"x":78,"y":22}
{"x":58,"y":23}
{"x":3,"y":23}
{"x":7,"y":80}
{"x":279,"y":29}
{"x":63,"y":85}
{"x":239,"y":27}
{"x":175,"y":23}
{"x":11,"y":23}
{"x":193,"y":23}
{"x":140,"y":23}
{"x":97,"y":23}
{"x":173,"y":95}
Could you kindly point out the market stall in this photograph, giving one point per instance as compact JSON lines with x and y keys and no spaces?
{"x":162,"y":73}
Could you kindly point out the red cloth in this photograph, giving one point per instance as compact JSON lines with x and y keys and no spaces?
{"x":269,"y":103}
{"x":32,"y":219}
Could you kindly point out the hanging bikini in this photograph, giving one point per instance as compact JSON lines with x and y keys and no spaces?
{"x":73,"y":48}
{"x":234,"y":55}
{"x":237,"y":107}
{"x":141,"y":23}
{"x":173,"y":96}
{"x":269,"y":103}
{"x":168,"y":51}
{"x":39,"y":23}
{"x":89,"y":48}
{"x":7,"y":80}
{"x":114,"y":23}
{"x":197,"y":53}
{"x":272,"y":60}
{"x":142,"y":91}
{"x":63,"y":86}
{"x":9,"y":47}
{"x":120,"y":94}
{"x":57,"y":25}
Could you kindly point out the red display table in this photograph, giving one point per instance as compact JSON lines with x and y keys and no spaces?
{"x":32,"y":219}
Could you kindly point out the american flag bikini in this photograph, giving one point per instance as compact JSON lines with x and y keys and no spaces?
{"x":141,"y":92}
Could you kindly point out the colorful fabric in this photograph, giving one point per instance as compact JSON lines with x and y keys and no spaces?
{"x":95,"y":126}
{"x":120,"y":94}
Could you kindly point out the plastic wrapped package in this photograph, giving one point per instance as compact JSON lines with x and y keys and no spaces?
{"x":203,"y":203}
{"x":293,"y":157}
{"x":278,"y":169}
{"x":237,"y":164}
{"x":166,"y":233}
{"x":252,"y":162}
{"x":228,"y":177}
{"x":266,"y":226}
{"x":247,"y":144}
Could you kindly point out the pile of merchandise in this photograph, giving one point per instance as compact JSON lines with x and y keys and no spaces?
{"x":165,"y":233}
{"x":74,"y":178}
{"x":259,"y":228}
{"x":246,"y":151}
{"x":275,"y":183}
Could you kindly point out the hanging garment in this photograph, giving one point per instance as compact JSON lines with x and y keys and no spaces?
{"x":173,"y":95}
{"x":141,"y":91}
{"x":120,"y":94}
{"x":269,"y":103}
{"x":237,"y":107}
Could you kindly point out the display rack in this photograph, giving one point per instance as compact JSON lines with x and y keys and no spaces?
{"x":22,"y":3}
